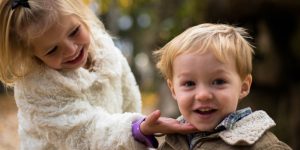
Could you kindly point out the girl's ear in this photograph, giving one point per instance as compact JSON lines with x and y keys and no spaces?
{"x":246,"y":85}
{"x":171,"y":87}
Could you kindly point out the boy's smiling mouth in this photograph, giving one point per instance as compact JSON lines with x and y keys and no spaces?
{"x":205,"y":111}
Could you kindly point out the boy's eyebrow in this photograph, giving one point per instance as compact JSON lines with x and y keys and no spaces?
{"x":182,"y":74}
{"x":220,"y":70}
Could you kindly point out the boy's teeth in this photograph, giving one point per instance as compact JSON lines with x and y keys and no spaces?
{"x":205,"y":109}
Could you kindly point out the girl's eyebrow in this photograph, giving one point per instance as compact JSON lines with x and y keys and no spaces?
{"x":68,"y":32}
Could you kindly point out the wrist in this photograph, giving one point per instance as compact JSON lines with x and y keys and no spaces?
{"x":148,"y":140}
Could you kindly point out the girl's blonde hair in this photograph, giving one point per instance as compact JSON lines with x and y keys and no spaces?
{"x":225,"y":41}
{"x":20,"y":25}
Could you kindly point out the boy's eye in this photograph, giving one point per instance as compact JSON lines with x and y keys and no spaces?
{"x":74,"y":32}
{"x":189,"y":83}
{"x":218,"y":82}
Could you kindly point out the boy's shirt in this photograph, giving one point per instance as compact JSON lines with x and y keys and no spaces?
{"x":227,"y":123}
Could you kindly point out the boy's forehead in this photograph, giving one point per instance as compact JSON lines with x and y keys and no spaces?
{"x":187,"y":64}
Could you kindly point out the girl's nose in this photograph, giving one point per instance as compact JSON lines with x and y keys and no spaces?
{"x":203,"y":94}
{"x":70,"y":48}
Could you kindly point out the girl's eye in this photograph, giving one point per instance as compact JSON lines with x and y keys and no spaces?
{"x":52,"y":51}
{"x":218,"y":82}
{"x":74,"y":32}
{"x":189,"y":83}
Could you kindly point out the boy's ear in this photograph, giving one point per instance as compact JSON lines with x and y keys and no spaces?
{"x":246,"y":85}
{"x":171,"y":87}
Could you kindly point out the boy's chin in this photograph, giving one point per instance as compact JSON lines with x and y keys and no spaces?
{"x":204,"y":127}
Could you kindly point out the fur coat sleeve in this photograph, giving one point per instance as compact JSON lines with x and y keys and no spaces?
{"x":80,"y":110}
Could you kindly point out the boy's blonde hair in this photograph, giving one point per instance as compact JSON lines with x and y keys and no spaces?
{"x":225,"y":41}
{"x":20,"y":25}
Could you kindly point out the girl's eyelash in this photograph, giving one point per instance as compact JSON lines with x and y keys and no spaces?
{"x":75,"y":31}
{"x":52,"y":50}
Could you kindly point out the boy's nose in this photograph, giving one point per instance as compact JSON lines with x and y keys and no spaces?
{"x":203,"y":94}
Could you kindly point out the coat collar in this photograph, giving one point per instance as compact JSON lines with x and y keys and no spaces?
{"x":248,"y":130}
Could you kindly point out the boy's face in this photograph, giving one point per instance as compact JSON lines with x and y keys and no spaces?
{"x":64,"y":45}
{"x":205,"y":89}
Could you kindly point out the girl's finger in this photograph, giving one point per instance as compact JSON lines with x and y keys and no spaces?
{"x":153,"y":117}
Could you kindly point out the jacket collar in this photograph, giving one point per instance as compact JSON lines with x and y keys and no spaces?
{"x":244,"y":132}
{"x":248,"y":130}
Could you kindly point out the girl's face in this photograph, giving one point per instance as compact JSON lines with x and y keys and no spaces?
{"x":65,"y":45}
{"x":205,"y":89}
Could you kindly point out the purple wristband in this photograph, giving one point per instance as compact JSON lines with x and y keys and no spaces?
{"x":148,"y":140}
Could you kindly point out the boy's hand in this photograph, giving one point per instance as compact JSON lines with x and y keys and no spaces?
{"x":156,"y":124}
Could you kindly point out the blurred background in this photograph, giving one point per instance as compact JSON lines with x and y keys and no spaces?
{"x":141,"y":26}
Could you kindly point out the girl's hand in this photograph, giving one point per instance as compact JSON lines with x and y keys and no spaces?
{"x":156,"y":124}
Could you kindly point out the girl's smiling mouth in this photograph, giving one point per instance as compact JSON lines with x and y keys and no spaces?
{"x":77,"y":58}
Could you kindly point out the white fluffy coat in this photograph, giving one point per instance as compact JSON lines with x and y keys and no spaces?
{"x":81,"y":109}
